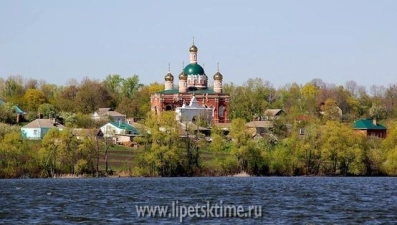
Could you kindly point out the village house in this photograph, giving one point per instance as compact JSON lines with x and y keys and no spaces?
{"x":259,"y":127}
{"x":370,"y":127}
{"x":19,"y":113}
{"x":272,"y":114}
{"x":119,"y":132}
{"x":108,"y":113}
{"x":38,"y":128}
{"x":330,"y":108}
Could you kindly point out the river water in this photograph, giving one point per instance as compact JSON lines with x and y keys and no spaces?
{"x":211,"y":200}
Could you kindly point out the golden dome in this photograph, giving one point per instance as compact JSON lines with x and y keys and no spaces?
{"x":169,"y":77}
{"x":193,"y":48}
{"x":218,"y":76}
{"x":182,"y":76}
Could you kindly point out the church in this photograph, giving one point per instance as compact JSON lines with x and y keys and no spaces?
{"x":193,"y":84}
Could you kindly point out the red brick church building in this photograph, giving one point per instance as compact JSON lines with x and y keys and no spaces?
{"x":193,"y":81}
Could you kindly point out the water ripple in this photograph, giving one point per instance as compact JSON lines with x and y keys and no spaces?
{"x":284,"y":200}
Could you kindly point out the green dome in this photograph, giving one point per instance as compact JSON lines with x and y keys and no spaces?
{"x":193,"y":69}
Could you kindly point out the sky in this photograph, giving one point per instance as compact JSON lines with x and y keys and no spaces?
{"x":281,"y":42}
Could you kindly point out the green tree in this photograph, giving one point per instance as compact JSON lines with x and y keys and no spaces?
{"x":89,"y":153}
{"x":309,"y":95}
{"x":67,"y":100}
{"x":218,"y":143}
{"x":377,"y":111}
{"x":375,"y":155}
{"x":391,"y":101}
{"x":15,"y":155}
{"x":59,"y":152}
{"x":282,"y":161}
{"x":81,"y":166}
{"x":49,"y":152}
{"x":389,"y":164}
{"x":12,"y":89}
{"x":129,"y":86}
{"x":310,"y":150}
{"x":33,"y":99}
{"x":113,"y":82}
{"x":243,"y":147}
{"x":67,"y":152}
{"x":249,"y":100}
{"x":5,"y":129}
{"x":93,"y":95}
{"x":293,"y":102}
{"x":51,"y":92}
{"x":85,"y":121}
{"x":47,"y":110}
{"x":138,"y":106}
{"x":330,"y":110}
{"x":69,"y":119}
{"x":8,"y":113}
{"x":342,"y":150}
{"x":155,"y":87}
{"x":164,"y":157}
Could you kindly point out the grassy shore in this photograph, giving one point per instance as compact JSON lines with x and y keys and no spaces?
{"x":121,"y":161}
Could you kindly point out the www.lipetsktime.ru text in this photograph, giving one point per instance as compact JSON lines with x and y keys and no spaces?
{"x":207,"y":210}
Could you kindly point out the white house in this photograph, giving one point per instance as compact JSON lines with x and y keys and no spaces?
{"x":193,"y":112}
{"x":38,"y":128}
{"x":116,"y":128}
{"x":105,"y":113}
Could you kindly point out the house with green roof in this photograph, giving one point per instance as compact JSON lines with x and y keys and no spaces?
{"x":18,"y":111}
{"x":370,"y":127}
{"x":120,"y":132}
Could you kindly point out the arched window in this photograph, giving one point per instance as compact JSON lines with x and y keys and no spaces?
{"x":221,"y":111}
{"x":168,"y":108}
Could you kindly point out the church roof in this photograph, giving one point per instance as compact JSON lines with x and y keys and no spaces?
{"x":198,"y":91}
{"x":193,"y":69}
{"x":193,"y":48}
{"x":218,"y":76}
{"x":169,"y":77}
{"x":193,"y":102}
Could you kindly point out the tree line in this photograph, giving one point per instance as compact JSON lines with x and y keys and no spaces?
{"x":331,"y":148}
{"x":76,"y":99}
{"x":328,"y":147}
{"x":249,"y":100}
